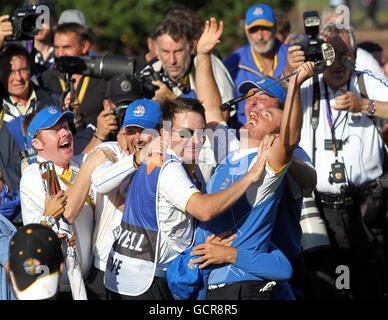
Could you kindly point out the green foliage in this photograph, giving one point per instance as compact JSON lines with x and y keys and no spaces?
{"x":122,"y":26}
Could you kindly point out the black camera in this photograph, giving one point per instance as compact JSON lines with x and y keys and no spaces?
{"x":106,"y":67}
{"x":119,"y":112}
{"x":24,"y":25}
{"x":313,"y":46}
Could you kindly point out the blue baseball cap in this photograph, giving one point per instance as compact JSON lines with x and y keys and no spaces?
{"x":185,"y":279}
{"x":46,"y":118}
{"x":259,"y":15}
{"x":144,"y":113}
{"x":275,"y":91}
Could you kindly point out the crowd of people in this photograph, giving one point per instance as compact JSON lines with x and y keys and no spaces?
{"x":144,"y":188}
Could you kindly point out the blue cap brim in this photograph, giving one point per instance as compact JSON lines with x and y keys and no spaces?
{"x":275,"y":91}
{"x":44,"y":120}
{"x":139,"y":123}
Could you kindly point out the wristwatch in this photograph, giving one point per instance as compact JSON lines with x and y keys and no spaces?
{"x":48,"y":220}
{"x":370,"y":108}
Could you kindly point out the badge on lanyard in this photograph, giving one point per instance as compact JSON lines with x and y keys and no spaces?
{"x":356,"y":117}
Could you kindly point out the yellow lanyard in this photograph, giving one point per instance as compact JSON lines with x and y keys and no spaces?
{"x":65,"y":177}
{"x":275,"y":62}
{"x":191,"y":169}
{"x":82,"y":92}
{"x":2,"y":112}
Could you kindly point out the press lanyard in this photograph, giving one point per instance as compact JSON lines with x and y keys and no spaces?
{"x":275,"y":62}
{"x":330,"y":121}
{"x":81,"y":95}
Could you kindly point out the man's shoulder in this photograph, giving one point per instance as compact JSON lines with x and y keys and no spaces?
{"x":376,"y":88}
{"x":30,"y":171}
{"x":235,"y":57}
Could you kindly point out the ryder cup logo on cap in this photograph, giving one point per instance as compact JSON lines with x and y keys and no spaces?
{"x":35,"y":257}
{"x":259,"y":15}
{"x":46,"y":118}
{"x":274,"y":90}
{"x":139,"y":111}
{"x":144,"y":113}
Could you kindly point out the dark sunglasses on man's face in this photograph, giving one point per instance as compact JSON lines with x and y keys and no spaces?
{"x":189,"y":133}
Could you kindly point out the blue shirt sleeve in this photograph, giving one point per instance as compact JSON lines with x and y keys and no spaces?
{"x":272,"y":265}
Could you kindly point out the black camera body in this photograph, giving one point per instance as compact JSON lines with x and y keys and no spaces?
{"x":313,"y":46}
{"x":23,"y":25}
{"x":106,"y":67}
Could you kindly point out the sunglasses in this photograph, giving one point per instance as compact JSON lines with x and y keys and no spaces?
{"x":189,"y":133}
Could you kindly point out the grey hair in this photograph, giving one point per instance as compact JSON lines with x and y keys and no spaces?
{"x":330,"y":29}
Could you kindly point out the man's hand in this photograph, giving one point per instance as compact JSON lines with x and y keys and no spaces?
{"x":305,"y":71}
{"x":349,"y":102}
{"x":97,"y":157}
{"x":157,"y":145}
{"x":5,"y":28}
{"x":70,"y":240}
{"x":295,"y":58}
{"x":123,"y":142}
{"x":256,"y":172}
{"x":106,"y":122}
{"x":163,"y":92}
{"x":215,"y":250}
{"x":55,"y":206}
{"x":210,"y":37}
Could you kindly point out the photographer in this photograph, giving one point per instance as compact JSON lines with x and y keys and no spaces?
{"x":121,"y":90}
{"x":347,"y":151}
{"x":72,"y":39}
{"x":41,"y":44}
{"x":176,"y":65}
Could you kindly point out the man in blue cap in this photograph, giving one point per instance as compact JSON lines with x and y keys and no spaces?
{"x":49,"y":135}
{"x":264,"y":55}
{"x":111,"y":181}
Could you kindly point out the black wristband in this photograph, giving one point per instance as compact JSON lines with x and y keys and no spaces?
{"x":97,"y":137}
{"x":134,"y":160}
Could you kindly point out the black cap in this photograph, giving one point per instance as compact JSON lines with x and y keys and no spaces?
{"x":32,"y":4}
{"x":124,"y":88}
{"x":35,"y":256}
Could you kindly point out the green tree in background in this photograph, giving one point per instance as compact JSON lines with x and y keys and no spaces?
{"x":122,"y":26}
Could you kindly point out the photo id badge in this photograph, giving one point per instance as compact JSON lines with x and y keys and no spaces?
{"x":338,"y":172}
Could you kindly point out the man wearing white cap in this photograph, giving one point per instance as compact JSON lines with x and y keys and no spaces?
{"x":264,"y":55}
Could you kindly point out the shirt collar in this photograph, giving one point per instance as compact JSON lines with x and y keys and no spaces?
{"x":33,"y":97}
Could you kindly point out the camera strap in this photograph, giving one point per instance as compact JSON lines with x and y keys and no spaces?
{"x":82,"y":91}
{"x":315,"y":112}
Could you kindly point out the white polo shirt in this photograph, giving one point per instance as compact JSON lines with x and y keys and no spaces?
{"x":362,"y":144}
{"x":32,"y":199}
{"x":110,"y":181}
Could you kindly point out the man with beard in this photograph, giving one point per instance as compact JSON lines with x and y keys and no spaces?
{"x":264,"y":55}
